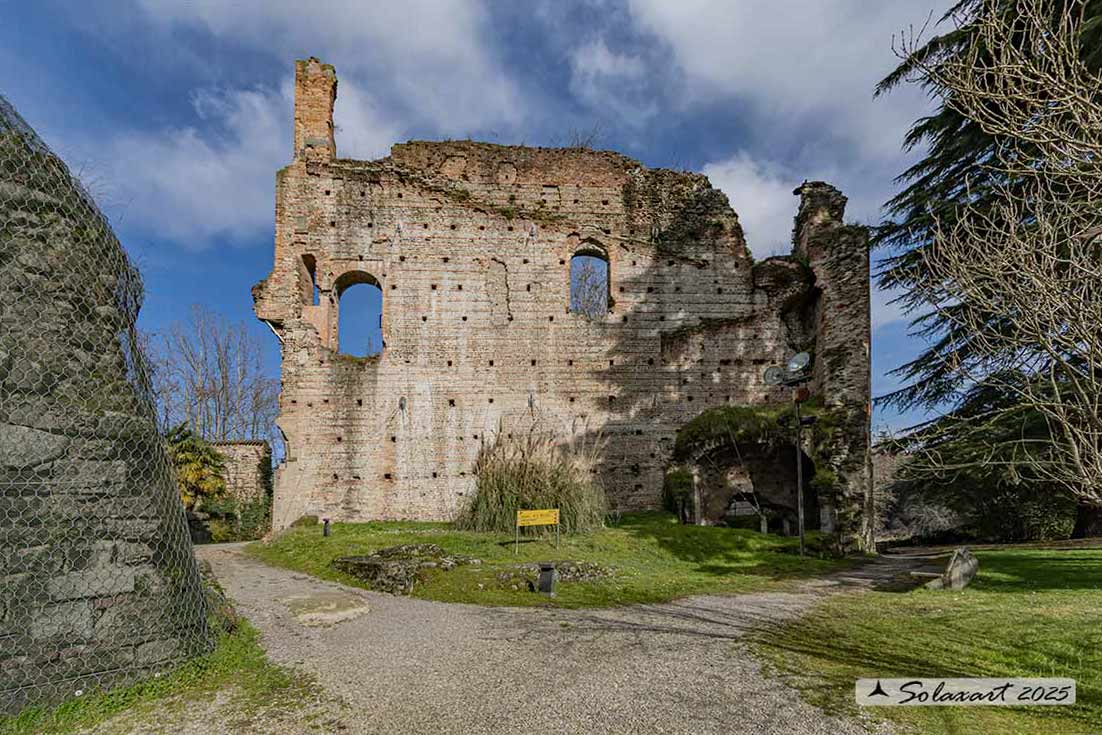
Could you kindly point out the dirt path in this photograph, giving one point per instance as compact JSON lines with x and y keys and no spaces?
{"x":401,"y":665}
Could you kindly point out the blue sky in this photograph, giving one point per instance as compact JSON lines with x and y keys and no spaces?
{"x":178,"y":113}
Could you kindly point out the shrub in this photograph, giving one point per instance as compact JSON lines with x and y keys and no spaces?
{"x":531,"y":470}
{"x":677,"y":493}
{"x":1017,"y":514}
{"x":235,"y":520}
{"x":221,"y":530}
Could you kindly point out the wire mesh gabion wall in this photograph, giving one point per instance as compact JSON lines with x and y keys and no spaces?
{"x":98,"y":584}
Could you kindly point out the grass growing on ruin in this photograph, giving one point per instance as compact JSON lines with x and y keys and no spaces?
{"x":653,"y":556}
{"x":237,"y":661}
{"x":532,"y":469}
{"x":1029,"y":613}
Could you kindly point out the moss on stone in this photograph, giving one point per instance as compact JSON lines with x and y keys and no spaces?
{"x":770,"y":424}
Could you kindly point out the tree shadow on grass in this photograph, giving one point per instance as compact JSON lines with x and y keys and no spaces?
{"x":721,"y":551}
{"x":825,"y":663}
{"x":1031,"y":571}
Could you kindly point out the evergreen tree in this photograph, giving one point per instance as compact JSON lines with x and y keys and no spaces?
{"x":978,"y":457}
{"x":953,"y":173}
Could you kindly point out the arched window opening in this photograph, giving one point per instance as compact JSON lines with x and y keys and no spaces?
{"x":359,"y":314}
{"x":308,"y":280}
{"x":589,"y":283}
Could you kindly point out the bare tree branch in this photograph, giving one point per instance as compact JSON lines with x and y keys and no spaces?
{"x":209,"y":375}
{"x":1034,"y":257}
{"x":589,"y":287}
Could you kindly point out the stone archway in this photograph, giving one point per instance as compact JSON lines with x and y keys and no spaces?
{"x":735,"y":482}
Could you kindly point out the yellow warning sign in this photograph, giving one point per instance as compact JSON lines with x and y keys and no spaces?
{"x":547,"y":517}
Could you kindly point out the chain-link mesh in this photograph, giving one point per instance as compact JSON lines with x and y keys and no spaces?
{"x":98,"y":585}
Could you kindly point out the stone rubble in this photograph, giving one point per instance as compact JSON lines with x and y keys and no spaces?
{"x":396,"y":569}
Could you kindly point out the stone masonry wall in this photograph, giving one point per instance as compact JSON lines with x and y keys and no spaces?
{"x":246,"y":468}
{"x":97,"y":581}
{"x":838,"y":254}
{"x":471,"y":245}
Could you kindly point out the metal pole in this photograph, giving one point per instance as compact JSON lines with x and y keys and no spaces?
{"x":799,"y":473}
{"x":516,"y":549}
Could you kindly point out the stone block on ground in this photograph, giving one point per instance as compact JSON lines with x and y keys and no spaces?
{"x":959,"y":572}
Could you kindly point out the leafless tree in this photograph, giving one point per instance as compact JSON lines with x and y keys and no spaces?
{"x":589,"y":286}
{"x":579,"y":138}
{"x":1024,"y":275}
{"x":209,"y":374}
{"x":373,"y":346}
{"x":584,"y":139}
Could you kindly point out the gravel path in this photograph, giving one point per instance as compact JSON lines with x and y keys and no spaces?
{"x":403,"y":665}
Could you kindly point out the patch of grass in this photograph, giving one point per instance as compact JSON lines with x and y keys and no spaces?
{"x":237,"y":660}
{"x":1029,"y":613}
{"x":655,"y":558}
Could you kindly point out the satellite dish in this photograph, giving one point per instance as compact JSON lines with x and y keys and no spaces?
{"x":798,"y":362}
{"x":774,"y":375}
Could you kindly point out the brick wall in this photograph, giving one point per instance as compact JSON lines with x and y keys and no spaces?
{"x":247,"y":465}
{"x":471,"y":245}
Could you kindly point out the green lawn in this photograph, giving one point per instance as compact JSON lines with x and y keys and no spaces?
{"x":237,"y":662}
{"x":1028,"y":613}
{"x":655,"y":559}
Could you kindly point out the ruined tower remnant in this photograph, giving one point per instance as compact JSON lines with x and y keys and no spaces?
{"x":97,"y":580}
{"x":247,"y":468}
{"x":471,"y":246}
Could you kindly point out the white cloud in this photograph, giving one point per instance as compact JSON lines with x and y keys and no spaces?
{"x":430,"y":61}
{"x":192,"y":184}
{"x":596,"y":59}
{"x":612,"y":81}
{"x":363,"y":132}
{"x":761,"y":194}
{"x":432,"y":55}
{"x":796,"y":62}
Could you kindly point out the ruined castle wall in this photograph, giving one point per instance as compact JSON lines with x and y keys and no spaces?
{"x":247,"y":468}
{"x":471,"y":245}
{"x":839,"y":256}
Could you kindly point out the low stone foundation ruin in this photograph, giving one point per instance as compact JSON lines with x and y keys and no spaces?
{"x":471,"y":245}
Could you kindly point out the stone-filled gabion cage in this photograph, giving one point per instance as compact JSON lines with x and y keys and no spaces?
{"x":98,"y":584}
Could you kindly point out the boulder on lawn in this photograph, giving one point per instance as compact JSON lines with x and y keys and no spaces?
{"x":959,"y":572}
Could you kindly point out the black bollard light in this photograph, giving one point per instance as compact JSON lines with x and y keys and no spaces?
{"x":325,"y":527}
{"x":548,"y":575}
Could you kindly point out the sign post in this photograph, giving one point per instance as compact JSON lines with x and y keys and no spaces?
{"x":546,"y":517}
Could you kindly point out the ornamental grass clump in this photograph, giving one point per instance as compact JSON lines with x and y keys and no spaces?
{"x":532,"y":470}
